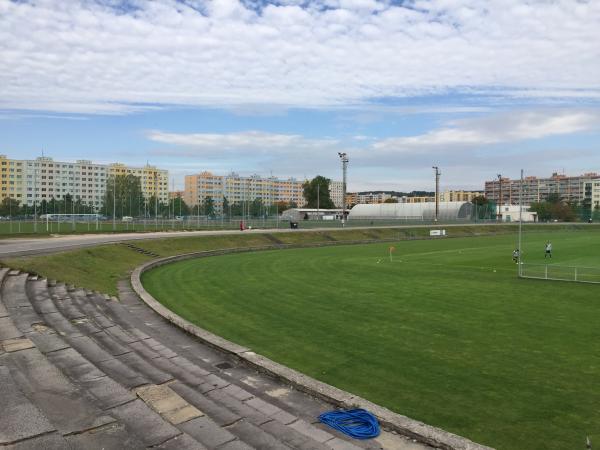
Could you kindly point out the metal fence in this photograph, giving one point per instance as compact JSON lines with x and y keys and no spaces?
{"x":67,"y":224}
{"x":560,"y":273}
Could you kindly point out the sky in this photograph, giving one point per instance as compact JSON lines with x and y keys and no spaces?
{"x":280,"y":87}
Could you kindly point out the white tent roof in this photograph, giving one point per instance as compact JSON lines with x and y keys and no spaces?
{"x":412,"y":211}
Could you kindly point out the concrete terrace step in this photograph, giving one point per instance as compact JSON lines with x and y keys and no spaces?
{"x":128,"y":376}
{"x":85,"y":408}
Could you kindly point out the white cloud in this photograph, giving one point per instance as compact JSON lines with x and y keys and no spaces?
{"x":495,"y":129}
{"x":89,"y":56}
{"x":468,"y":151}
{"x":202,"y":143}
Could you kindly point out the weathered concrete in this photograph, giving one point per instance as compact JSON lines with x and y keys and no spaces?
{"x":19,"y":418}
{"x":14,"y":345}
{"x":168,"y":404}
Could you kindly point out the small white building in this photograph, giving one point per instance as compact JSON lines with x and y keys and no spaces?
{"x":510,"y":213}
{"x":298,"y":214}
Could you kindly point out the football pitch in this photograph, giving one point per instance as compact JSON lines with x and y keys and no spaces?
{"x":444,"y":333}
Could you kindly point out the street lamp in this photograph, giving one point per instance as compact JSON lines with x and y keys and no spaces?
{"x":344,"y":159}
{"x":437,"y":191}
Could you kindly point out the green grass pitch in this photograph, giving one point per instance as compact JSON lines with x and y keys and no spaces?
{"x":446,"y":333}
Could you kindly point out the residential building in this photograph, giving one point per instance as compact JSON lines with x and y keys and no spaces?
{"x":154,"y":182}
{"x":236,"y":188}
{"x":11,"y":178}
{"x":336,"y":193}
{"x":32,"y":181}
{"x":459,"y":196}
{"x":45,"y":179}
{"x":418,"y":199}
{"x":369,"y":197}
{"x":536,"y":189}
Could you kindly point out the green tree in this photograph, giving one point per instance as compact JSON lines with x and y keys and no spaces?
{"x":179,"y":207}
{"x":596,"y":212}
{"x":391,"y":200}
{"x":542,"y":209}
{"x":123,"y":196}
{"x":257,"y":208}
{"x":208,"y":206}
{"x":483,"y":207}
{"x":225,"y":211}
{"x":318,"y":187}
{"x":9,"y":207}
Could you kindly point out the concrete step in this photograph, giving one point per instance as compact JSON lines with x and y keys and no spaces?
{"x":194,"y":381}
{"x":97,"y":358}
{"x":143,"y":378}
{"x":65,"y":405}
{"x":87,"y":407}
{"x":20,"y":419}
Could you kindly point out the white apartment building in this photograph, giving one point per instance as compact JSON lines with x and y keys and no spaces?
{"x":45,"y":179}
{"x":32,"y":181}
{"x":336,"y":193}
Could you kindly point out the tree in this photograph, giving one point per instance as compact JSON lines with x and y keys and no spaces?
{"x":208,"y":206}
{"x":123,"y":196}
{"x":9,"y":207}
{"x":225,"y":211}
{"x":391,"y":200}
{"x":554,"y":209}
{"x":596,"y":213}
{"x":483,"y":207}
{"x":318,"y":186}
{"x":179,"y":207}
{"x":257,"y":208}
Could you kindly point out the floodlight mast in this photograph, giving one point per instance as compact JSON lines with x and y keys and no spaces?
{"x":344,"y":159}
{"x":499,"y":216}
{"x":520,"y":267}
{"x":437,"y":192}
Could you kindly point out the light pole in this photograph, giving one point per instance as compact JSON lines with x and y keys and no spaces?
{"x":520,"y":267}
{"x":499,"y":216}
{"x":318,"y":199}
{"x":114,"y":201}
{"x":344,"y":159}
{"x":35,"y":197}
{"x":437,"y":191}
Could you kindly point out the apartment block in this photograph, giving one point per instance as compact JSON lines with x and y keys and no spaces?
{"x":459,"y":196}
{"x":336,"y":193}
{"x":569,"y":188}
{"x":355,"y":198}
{"x":11,"y":178}
{"x":418,"y":199}
{"x":154,"y":181}
{"x":236,"y":188}
{"x":32,"y":181}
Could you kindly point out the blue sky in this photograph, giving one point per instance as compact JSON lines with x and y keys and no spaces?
{"x":477,"y":88}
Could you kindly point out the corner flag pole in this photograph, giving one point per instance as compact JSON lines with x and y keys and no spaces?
{"x":520,"y":269}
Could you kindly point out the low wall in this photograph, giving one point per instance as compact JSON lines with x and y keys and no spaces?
{"x":422,"y":432}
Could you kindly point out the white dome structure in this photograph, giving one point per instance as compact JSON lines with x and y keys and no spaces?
{"x":449,"y":211}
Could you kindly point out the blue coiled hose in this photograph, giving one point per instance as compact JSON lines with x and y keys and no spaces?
{"x":356,"y":423}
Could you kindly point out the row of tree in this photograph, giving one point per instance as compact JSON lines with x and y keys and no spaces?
{"x":554,"y":207}
{"x":123,"y":197}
